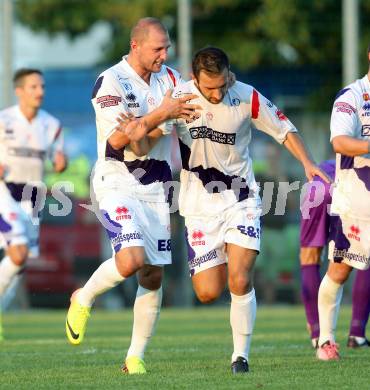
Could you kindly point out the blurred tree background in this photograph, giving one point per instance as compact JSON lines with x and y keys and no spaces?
{"x":255,"y":33}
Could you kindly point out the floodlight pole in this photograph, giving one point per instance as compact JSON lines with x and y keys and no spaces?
{"x":350,"y":38}
{"x":184,"y":36}
{"x":7,"y":51}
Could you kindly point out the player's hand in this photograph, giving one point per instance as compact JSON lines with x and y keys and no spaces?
{"x":180,"y":107}
{"x":134,"y":128}
{"x":312,"y":170}
{"x":60,"y":162}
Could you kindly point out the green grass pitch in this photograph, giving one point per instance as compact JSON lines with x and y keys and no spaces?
{"x":191,"y":350}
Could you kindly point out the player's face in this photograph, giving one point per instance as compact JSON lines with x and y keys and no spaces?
{"x":212,"y":86}
{"x":152,"y":52}
{"x":31,"y":92}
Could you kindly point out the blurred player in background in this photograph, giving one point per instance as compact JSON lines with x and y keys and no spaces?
{"x":28,"y":135}
{"x":129,"y":183}
{"x":315,"y":223}
{"x":349,"y":238}
{"x":219,"y":195}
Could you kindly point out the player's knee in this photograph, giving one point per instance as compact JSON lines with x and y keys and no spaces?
{"x":18,"y":254}
{"x":129,"y":261}
{"x":208,"y":294}
{"x":150,"y":277}
{"x":240,"y":284}
{"x":310,"y":255}
{"x":339,"y":274}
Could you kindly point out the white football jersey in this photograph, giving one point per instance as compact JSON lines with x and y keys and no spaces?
{"x":25,"y":145}
{"x":351,"y":116}
{"x":216,"y":166}
{"x":117,"y":90}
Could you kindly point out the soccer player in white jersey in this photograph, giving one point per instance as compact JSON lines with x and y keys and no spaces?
{"x":28,"y":135}
{"x":349,"y":237}
{"x":129,"y":184}
{"x":219,"y":195}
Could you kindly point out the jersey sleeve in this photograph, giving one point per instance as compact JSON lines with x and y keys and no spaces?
{"x":108,"y":103}
{"x":266,"y":117}
{"x":344,"y":117}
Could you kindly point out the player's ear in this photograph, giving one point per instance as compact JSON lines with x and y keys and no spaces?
{"x":133,"y":44}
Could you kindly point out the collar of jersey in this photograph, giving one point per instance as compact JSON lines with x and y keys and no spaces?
{"x":366,"y":81}
{"x":131,"y":73}
{"x":20,"y":114}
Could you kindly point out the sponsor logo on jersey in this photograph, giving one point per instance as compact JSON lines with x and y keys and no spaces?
{"x":280,"y":115}
{"x":235,"y":102}
{"x":197,"y":261}
{"x":122,"y":213}
{"x":213,"y":135}
{"x":197,"y":236}
{"x":344,"y":107}
{"x":108,"y":101}
{"x":365,"y":131}
{"x":122,"y":237}
{"x":366,"y":97}
{"x":354,"y":233}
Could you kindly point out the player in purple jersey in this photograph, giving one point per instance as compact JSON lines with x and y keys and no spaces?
{"x":313,"y":238}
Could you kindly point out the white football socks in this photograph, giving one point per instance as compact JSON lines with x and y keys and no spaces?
{"x":146,"y":313}
{"x":8,"y":270}
{"x":103,"y":279}
{"x":330,"y":295}
{"x":242,"y":317}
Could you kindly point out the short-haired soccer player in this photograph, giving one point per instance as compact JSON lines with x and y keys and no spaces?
{"x":28,"y":135}
{"x":219,"y":196}
{"x":129,"y":183}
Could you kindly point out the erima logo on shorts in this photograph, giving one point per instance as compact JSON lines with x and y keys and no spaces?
{"x":197,"y":261}
{"x":197,"y":237}
{"x":126,"y":237}
{"x":122,"y":213}
{"x":213,"y":135}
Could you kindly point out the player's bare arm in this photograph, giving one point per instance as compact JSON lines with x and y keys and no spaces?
{"x":297,"y":148}
{"x":170,"y":108}
{"x":350,"y":146}
{"x":60,"y":162}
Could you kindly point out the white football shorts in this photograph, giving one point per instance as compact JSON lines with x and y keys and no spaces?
{"x":132,"y":222}
{"x":349,"y":242}
{"x":207,"y":237}
{"x":17,"y":226}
